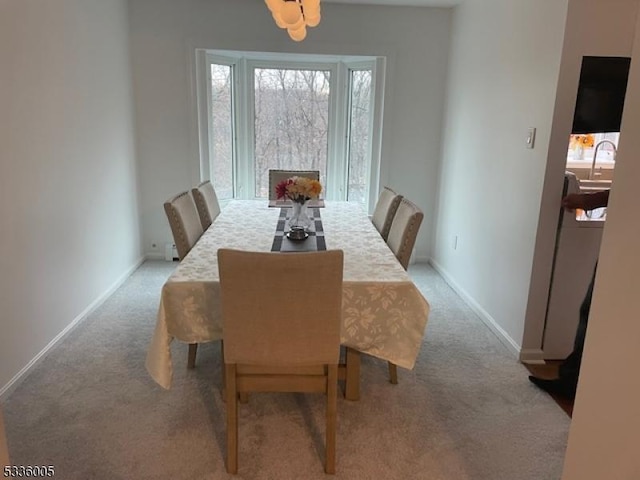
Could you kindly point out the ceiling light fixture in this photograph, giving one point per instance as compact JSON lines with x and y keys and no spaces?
{"x":295,"y":16}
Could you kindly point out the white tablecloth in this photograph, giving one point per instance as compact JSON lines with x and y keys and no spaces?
{"x":384,"y":314}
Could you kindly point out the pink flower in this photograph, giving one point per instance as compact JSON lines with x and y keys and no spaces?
{"x":298,"y":189}
{"x":281,"y":188}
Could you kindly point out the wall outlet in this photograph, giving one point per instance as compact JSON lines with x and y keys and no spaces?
{"x":170,"y":252}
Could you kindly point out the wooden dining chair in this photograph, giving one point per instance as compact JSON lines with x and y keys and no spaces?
{"x":402,"y":237}
{"x":186,"y":229}
{"x":385,"y":210}
{"x":206,"y":203}
{"x":281,"y":316}
{"x":276,"y":176}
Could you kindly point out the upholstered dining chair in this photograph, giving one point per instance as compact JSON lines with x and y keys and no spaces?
{"x":186,"y":229}
{"x":385,"y":210}
{"x":281,"y":333}
{"x":206,"y":203}
{"x":404,"y":231}
{"x":402,"y":237}
{"x":276,"y":176}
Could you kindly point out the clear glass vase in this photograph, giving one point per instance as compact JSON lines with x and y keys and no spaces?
{"x":578,"y":153}
{"x":299,"y":215}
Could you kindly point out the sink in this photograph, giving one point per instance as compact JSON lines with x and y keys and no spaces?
{"x":594,"y":185}
{"x":604,"y":171}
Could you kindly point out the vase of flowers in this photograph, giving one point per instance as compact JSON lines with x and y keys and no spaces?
{"x":299,"y":190}
{"x":299,"y":216}
{"x":578,"y":143}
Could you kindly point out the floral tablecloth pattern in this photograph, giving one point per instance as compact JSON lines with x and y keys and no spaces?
{"x":384,"y":313}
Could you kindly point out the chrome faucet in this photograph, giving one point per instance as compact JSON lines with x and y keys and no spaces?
{"x":595,"y":156}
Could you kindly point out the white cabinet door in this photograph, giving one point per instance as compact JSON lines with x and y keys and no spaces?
{"x":576,"y":256}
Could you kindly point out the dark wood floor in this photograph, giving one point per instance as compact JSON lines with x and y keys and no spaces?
{"x":550,"y":371}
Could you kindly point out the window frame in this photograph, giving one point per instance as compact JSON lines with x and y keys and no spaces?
{"x":251,"y":65}
{"x":353,"y":67}
{"x":243,"y":111}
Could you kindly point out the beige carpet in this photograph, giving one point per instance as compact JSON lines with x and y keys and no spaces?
{"x":466,"y":411}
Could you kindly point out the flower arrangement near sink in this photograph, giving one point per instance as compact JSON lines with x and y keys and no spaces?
{"x":578,"y":143}
{"x":584,"y":141}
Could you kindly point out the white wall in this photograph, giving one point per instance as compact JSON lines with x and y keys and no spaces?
{"x":164,"y":34}
{"x":503,"y":75}
{"x":68,"y":194}
{"x":594,"y":27}
{"x":603,"y":441}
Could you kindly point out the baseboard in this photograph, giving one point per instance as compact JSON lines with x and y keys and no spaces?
{"x":532,"y":356}
{"x":487,"y":319}
{"x":18,"y":377}
{"x":420,"y":259}
{"x":154,"y":256}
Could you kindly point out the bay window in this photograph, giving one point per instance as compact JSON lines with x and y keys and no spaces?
{"x":258,"y":112}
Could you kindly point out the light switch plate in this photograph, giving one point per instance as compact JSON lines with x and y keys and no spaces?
{"x":531,"y":137}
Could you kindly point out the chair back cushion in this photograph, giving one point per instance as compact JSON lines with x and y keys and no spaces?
{"x":184,"y":222}
{"x":385,"y":210}
{"x":404,"y":231}
{"x":276,"y":176}
{"x":206,"y":202}
{"x":281,"y":309}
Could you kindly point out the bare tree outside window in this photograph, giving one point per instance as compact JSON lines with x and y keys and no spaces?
{"x":221,"y":134}
{"x":291,"y":122}
{"x":359,"y":135}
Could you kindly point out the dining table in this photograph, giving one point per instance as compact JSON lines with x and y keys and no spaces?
{"x":384,"y":314}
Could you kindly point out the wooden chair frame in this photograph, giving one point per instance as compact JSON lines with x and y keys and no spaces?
{"x":265,"y":351}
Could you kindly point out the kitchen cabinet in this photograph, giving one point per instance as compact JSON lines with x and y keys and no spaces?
{"x":576,"y":253}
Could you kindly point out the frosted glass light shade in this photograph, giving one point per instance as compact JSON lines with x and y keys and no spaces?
{"x":291,"y":13}
{"x":299,"y":34}
{"x":312,"y":21}
{"x":274,"y":6}
{"x":278,"y":20}
{"x":298,"y":25}
{"x":311,"y":8}
{"x":295,"y":16}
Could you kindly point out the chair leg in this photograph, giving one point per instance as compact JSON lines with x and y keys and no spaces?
{"x":393,"y":373}
{"x":352,"y":381}
{"x":242,"y":396}
{"x":332,"y":407}
{"x":191,"y":362}
{"x":223,"y":369}
{"x":232,"y":419}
